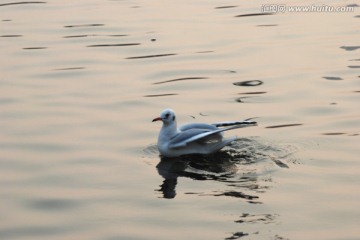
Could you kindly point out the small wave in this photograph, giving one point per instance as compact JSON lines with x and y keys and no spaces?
{"x":350,"y":48}
{"x":223,"y":7}
{"x":11,"y":35}
{"x":69,"y":69}
{"x":181,"y":79}
{"x":114,"y":45}
{"x":249,"y":83}
{"x":254,"y":14}
{"x":161,"y":95}
{"x":34,"y":48}
{"x":267,"y":25}
{"x":252,"y":93}
{"x":285,"y":125}
{"x":153,"y":56}
{"x":85,"y":25}
{"x":18,"y":3}
{"x":332,"y":78}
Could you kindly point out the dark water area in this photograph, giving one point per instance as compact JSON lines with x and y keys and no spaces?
{"x":82,"y":80}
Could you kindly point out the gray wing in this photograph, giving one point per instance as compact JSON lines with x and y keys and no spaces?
{"x":192,"y":135}
{"x":197,"y":126}
{"x":185,"y":137}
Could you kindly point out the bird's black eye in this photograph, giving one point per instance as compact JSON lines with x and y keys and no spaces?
{"x":167,"y":115}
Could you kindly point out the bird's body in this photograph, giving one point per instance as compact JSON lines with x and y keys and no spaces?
{"x":193,"y":138}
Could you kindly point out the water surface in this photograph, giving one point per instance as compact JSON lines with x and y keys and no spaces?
{"x":81,"y":80}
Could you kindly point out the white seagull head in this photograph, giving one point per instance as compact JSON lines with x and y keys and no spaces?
{"x":167,"y":117}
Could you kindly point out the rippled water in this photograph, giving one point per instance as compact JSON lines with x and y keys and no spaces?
{"x":81,"y":80}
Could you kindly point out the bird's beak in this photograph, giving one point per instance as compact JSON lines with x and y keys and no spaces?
{"x":157,"y":119}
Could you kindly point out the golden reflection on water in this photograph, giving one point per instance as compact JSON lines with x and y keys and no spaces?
{"x":80,"y":82}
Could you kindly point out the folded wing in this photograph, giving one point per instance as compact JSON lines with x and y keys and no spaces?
{"x":192,"y":135}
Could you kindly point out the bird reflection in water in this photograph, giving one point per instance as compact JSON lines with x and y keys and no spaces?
{"x":221,"y":166}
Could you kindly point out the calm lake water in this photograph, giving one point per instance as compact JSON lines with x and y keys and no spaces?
{"x":82,"y":80}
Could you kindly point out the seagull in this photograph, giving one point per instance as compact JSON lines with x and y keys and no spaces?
{"x":194,"y":138}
